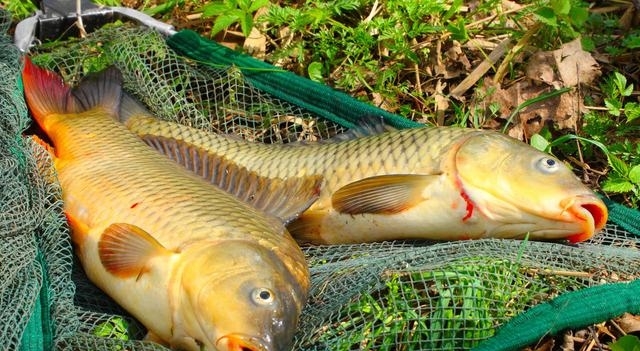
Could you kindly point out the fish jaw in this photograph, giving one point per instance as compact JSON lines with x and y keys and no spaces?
{"x":241,"y":342}
{"x":588,"y":210}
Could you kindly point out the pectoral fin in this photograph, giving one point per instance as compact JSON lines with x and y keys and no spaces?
{"x":285,"y":199}
{"x":126,"y":249}
{"x":386,"y":194}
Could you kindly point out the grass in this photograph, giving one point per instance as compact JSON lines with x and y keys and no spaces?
{"x":451,"y":307}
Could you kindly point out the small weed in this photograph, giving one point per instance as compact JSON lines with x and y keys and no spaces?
{"x":115,"y":327}
{"x":563,"y":19}
{"x":452,"y":307}
{"x":229,"y":12}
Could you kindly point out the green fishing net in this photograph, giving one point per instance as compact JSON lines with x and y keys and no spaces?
{"x":492,"y":294}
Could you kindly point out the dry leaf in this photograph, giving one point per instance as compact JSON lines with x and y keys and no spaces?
{"x":546,"y":345}
{"x":563,"y":111}
{"x":575,"y":65}
{"x":539,"y":68}
{"x":441,"y":101}
{"x":629,"y":323}
{"x":255,"y":44}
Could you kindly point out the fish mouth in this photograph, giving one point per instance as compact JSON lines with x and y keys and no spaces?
{"x":590,"y":211}
{"x":242,"y":342}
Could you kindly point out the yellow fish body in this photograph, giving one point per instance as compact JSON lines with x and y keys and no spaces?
{"x":199,"y":268}
{"x":442,"y":183}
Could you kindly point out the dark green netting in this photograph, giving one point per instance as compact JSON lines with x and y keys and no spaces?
{"x":317,"y":98}
{"x":382,"y":296}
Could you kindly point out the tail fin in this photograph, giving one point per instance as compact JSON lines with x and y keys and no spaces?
{"x":46,"y":93}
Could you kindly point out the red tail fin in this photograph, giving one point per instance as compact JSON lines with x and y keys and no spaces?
{"x":44,"y":91}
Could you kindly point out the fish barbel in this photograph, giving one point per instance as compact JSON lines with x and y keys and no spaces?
{"x":441,"y":183}
{"x":199,"y":268}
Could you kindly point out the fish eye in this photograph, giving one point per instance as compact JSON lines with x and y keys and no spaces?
{"x":262,"y":296}
{"x":547,"y":165}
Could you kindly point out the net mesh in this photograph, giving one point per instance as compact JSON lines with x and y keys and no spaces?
{"x":383,"y":296}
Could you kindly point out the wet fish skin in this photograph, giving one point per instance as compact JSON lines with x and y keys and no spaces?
{"x":442,"y":183}
{"x":199,"y":268}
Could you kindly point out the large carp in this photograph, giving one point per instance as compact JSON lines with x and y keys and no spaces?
{"x":199,"y":268}
{"x":442,"y":183}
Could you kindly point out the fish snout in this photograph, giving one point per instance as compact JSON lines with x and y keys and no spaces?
{"x":590,"y":211}
{"x":241,"y":342}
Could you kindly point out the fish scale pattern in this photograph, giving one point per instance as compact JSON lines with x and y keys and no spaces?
{"x":398,"y":295}
{"x":364,"y":156}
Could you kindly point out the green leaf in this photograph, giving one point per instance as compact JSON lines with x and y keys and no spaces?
{"x":634,"y":174}
{"x":315,"y":72}
{"x":246,"y":23}
{"x":579,"y":16}
{"x":617,"y":185}
{"x":223,"y":22}
{"x":539,"y":142}
{"x":620,"y":81}
{"x":631,"y":42}
{"x":626,"y":343}
{"x":561,"y":7}
{"x":587,"y":44}
{"x":618,"y":165}
{"x":613,"y":106}
{"x":632,"y":111}
{"x":258,"y":4}
{"x":214,"y":9}
{"x":547,"y":16}
{"x":244,"y":5}
{"x":628,"y":90}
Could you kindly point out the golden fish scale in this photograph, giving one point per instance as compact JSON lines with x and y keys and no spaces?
{"x":102,"y":160}
{"x":408,"y":151}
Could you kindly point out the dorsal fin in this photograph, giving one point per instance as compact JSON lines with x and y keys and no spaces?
{"x":285,"y":199}
{"x":102,"y":89}
{"x":365,"y":126}
{"x":130,"y":107}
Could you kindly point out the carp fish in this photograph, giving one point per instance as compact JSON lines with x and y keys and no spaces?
{"x":200,"y":269}
{"x":435,"y":183}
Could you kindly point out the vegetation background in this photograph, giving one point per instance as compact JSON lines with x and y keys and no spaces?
{"x":561,"y":75}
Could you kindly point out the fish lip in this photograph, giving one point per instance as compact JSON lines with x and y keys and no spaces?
{"x":587,"y":209}
{"x":242,"y":342}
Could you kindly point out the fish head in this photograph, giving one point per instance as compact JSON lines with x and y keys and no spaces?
{"x":525,"y":190}
{"x":239,"y":296}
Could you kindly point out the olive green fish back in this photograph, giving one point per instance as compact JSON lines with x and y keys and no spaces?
{"x":382,"y":296}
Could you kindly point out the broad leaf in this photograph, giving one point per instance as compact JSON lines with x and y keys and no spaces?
{"x":547,"y":16}
{"x":634,"y":174}
{"x":618,"y":165}
{"x":315,"y":72}
{"x":617,"y":185}
{"x":561,"y":7}
{"x":626,"y":343}
{"x":539,"y":142}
